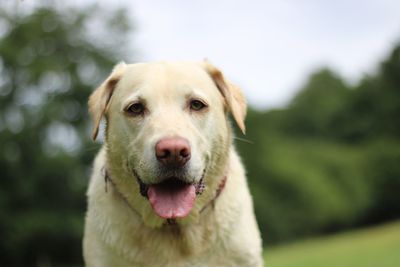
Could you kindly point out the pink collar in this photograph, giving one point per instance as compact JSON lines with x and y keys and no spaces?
{"x":220,"y":188}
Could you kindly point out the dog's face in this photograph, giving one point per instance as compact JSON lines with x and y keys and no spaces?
{"x":167,"y":133}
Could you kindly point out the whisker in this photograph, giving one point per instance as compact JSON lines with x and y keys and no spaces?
{"x":91,"y":148}
{"x":244,"y":140}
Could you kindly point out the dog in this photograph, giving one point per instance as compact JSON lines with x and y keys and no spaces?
{"x":168,"y":188}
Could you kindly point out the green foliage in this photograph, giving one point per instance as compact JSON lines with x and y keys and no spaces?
{"x":331,"y":159}
{"x":311,"y":111}
{"x":49,"y":63}
{"x":382,"y":167}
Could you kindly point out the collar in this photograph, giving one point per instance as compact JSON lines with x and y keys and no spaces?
{"x":107,"y":179}
{"x":220,"y":188}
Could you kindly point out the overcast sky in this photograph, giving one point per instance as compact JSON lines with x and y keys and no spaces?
{"x":267,"y":47}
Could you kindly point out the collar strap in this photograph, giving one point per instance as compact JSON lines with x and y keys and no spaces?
{"x":107,"y":179}
{"x":220,"y":188}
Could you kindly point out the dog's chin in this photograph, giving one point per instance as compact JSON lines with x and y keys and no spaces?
{"x":173,"y":197}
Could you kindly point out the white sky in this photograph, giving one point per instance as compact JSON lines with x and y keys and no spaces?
{"x":267,"y":47}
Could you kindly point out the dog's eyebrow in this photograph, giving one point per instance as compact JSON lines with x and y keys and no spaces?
{"x":134,"y":97}
{"x":196,"y":93}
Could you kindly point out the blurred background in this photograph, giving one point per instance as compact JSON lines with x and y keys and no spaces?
{"x":322,"y":147}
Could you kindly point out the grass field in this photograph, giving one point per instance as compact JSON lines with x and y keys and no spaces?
{"x":373,"y":247}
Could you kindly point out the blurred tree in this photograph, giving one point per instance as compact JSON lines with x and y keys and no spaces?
{"x":311,"y":112}
{"x":374,"y":109}
{"x":329,"y":160}
{"x":49,"y":63}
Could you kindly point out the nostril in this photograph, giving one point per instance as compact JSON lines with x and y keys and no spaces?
{"x":162,"y":154}
{"x":184,"y":153}
{"x":173,"y":151}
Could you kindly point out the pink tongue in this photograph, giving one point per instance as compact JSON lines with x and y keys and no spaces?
{"x":172,"y":201}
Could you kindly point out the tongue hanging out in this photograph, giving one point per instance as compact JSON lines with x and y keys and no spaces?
{"x":172,"y":198}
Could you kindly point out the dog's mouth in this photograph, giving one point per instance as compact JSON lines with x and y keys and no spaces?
{"x":172,"y":198}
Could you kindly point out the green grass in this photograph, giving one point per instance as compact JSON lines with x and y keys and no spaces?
{"x":373,"y":247}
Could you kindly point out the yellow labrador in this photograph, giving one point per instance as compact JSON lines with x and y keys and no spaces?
{"x":168,"y":188}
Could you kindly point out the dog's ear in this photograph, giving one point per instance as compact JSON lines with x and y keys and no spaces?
{"x":100,"y":98}
{"x":234,"y":97}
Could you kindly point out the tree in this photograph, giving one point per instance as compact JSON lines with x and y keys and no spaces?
{"x":50,"y":62}
{"x":330,"y":159}
{"x":311,"y":111}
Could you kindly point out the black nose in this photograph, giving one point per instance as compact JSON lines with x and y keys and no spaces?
{"x":173,"y":152}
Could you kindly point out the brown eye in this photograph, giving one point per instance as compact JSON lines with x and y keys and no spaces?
{"x":136,"y":109}
{"x":197,"y":105}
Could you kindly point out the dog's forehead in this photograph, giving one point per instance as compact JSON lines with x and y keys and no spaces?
{"x":166,"y":77}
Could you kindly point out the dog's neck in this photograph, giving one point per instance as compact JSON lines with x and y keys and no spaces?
{"x":211,"y":203}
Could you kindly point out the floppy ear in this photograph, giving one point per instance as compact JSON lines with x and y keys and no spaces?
{"x":100,"y":98}
{"x":233,"y":95}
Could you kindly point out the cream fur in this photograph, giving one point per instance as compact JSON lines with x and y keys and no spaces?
{"x":121,"y":228}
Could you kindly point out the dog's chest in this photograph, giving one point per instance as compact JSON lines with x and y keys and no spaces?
{"x":169,"y":246}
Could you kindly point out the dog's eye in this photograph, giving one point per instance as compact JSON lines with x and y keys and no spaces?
{"x":136,"y":109}
{"x":197,"y":105}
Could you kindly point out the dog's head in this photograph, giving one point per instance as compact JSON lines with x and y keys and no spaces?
{"x":167,"y":134}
